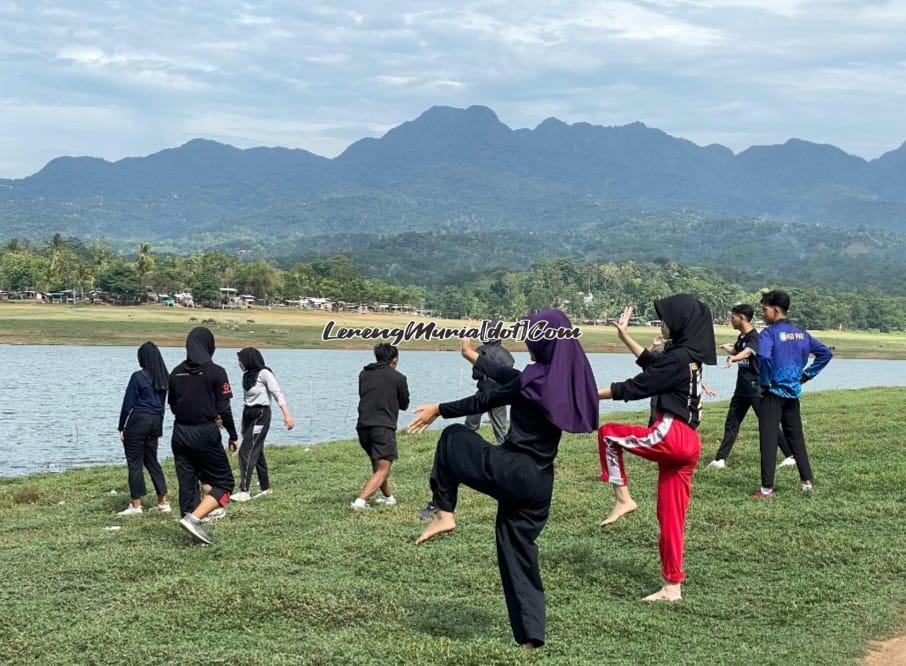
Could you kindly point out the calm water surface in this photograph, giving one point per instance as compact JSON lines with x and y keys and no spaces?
{"x":59,"y":405}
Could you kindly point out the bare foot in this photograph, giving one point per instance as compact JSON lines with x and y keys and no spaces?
{"x":443,"y":522}
{"x":670,"y":592}
{"x":619,"y":510}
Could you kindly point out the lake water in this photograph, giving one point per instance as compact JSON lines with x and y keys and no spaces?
{"x":59,"y":406}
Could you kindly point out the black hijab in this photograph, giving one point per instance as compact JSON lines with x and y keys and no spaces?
{"x":199,"y":346}
{"x":691,"y":326}
{"x":152,"y":363}
{"x":253,"y":363}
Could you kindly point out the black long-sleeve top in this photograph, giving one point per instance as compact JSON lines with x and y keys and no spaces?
{"x":530,"y":431}
{"x":383,"y":392}
{"x":199,"y":394}
{"x":673,"y":379}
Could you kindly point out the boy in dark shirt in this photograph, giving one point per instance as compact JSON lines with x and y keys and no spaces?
{"x":199,"y":397}
{"x":744,"y":354}
{"x":383,"y":392}
{"x":783,"y":354}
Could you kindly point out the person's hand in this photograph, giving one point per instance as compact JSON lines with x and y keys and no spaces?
{"x":218,"y":421}
{"x":622,"y":324}
{"x":425,"y":416}
{"x":467,"y":347}
{"x":289,"y":422}
{"x":234,"y":445}
{"x":122,"y":436}
{"x":727,"y":347}
{"x":728,"y":363}
{"x":708,"y":391}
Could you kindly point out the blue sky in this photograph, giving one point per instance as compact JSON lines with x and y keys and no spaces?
{"x":114,"y":79}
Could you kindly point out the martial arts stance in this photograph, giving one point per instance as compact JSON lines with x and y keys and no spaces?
{"x":500,"y":356}
{"x":674,"y":380}
{"x":200,"y":401}
{"x":553,"y":394}
{"x":259,"y":387}
{"x":141,"y":426}
{"x":783,"y":355}
{"x":744,"y":354}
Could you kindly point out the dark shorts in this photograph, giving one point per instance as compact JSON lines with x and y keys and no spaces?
{"x":379,"y":443}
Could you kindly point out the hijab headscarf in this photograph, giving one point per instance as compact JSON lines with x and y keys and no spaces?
{"x":152,"y":364}
{"x":691,"y":326}
{"x":560,"y":381}
{"x":200,"y":346}
{"x":253,"y":363}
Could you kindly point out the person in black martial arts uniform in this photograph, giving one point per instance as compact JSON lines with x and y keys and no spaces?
{"x":200,"y":401}
{"x":555,"y":393}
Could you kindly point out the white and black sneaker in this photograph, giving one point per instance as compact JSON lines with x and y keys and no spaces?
{"x":390,"y":500}
{"x":717,"y":464}
{"x":130,"y":511}
{"x":193,"y":526}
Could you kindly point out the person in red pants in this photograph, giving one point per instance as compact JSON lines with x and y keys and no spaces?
{"x":673,"y":379}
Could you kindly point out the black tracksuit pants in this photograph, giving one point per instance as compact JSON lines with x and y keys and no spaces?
{"x":523,"y":493}
{"x":778,"y":413}
{"x":256,"y":421}
{"x":140,"y":438}
{"x":200,"y":458}
{"x":739,"y":407}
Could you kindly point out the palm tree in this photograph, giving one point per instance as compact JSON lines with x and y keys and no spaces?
{"x":145,"y":261}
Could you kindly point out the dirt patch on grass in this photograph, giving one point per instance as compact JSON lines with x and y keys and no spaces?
{"x":886,"y":653}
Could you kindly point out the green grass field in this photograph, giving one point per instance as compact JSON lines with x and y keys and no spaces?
{"x":297,"y":578}
{"x":108,"y":325}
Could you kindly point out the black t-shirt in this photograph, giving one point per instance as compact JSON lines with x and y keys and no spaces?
{"x":747,"y":377}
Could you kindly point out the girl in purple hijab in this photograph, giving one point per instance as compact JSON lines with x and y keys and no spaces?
{"x":556,"y":392}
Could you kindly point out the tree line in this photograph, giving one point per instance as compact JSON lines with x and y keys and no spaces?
{"x":585,"y":290}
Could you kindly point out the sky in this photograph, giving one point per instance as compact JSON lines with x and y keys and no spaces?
{"x":114,"y":79}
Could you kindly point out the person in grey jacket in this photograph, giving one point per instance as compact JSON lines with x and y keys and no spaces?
{"x":498,"y":355}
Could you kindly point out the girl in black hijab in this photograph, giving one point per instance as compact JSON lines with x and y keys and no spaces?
{"x":673,"y":379}
{"x":259,"y":386}
{"x":200,"y":401}
{"x":141,"y":425}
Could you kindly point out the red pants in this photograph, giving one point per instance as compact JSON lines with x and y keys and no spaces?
{"x":676,"y":448}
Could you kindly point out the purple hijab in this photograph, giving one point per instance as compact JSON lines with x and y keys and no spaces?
{"x":560,"y":381}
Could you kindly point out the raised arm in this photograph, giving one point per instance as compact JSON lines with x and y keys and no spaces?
{"x":622,"y":326}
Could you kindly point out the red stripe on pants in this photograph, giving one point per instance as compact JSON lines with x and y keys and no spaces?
{"x":676,"y":448}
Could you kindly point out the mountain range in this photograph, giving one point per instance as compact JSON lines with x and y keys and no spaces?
{"x":451,"y":169}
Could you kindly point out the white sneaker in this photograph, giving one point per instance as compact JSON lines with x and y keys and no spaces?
{"x":787,"y":462}
{"x":263,"y":493}
{"x":131,"y":511}
{"x":359,"y":505}
{"x":162,"y":508}
{"x":717,"y":464}
{"x":216,"y":514}
{"x":386,"y":501}
{"x":807,"y":487}
{"x":241,"y":496}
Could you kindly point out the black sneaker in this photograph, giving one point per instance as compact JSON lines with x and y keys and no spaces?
{"x":192,"y":525}
{"x":427,"y":513}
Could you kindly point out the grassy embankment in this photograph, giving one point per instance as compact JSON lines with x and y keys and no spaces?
{"x":107,"y":325}
{"x":297,"y":578}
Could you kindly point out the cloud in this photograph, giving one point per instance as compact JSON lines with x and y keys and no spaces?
{"x":319,"y":76}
